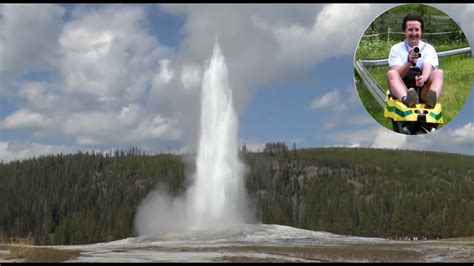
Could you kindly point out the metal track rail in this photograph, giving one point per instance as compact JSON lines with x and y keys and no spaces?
{"x":381,"y":62}
{"x":371,"y":85}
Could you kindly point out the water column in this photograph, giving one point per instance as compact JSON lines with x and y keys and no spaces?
{"x":217,"y":196}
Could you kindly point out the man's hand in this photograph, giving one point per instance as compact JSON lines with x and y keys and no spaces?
{"x":420,"y":81}
{"x":412,"y":57}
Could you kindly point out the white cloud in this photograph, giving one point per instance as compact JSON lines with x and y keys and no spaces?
{"x":460,"y":139}
{"x":162,"y":78}
{"x":191,"y":75}
{"x":252,"y":52}
{"x":129,"y":115}
{"x":359,"y":119}
{"x":86,"y":141}
{"x":100,"y":93}
{"x":109,"y":65}
{"x":464,"y":135}
{"x":28,"y":37}
{"x":108,"y":54}
{"x":273,"y":44}
{"x":10,"y":151}
{"x":341,"y":105}
{"x":40,"y":96}
{"x":125,"y":126}
{"x":25,"y":119}
{"x":93,"y":123}
{"x":362,"y":137}
{"x":114,"y":83}
{"x":389,"y":139}
{"x":309,"y":44}
{"x":158,"y":127}
{"x":330,"y":100}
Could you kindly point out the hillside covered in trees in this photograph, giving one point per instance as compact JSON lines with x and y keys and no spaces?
{"x":92,"y":197}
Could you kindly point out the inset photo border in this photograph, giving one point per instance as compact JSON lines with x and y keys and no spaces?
{"x":382,"y":63}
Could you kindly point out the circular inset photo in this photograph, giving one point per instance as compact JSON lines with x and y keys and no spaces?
{"x":413,"y":69}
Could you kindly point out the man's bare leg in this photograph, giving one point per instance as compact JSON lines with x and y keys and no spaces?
{"x":396,"y":85}
{"x":435,"y":84}
{"x":398,"y":89}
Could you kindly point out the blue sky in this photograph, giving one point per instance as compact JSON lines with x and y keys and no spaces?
{"x":100,"y":77}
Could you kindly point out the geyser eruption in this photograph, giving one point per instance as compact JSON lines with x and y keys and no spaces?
{"x":217,"y":196}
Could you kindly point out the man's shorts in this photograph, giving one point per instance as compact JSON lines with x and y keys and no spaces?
{"x":410,"y":78}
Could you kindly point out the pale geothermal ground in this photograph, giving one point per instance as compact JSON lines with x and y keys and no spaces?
{"x":248,"y":243}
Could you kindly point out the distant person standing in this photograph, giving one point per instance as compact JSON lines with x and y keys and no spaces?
{"x":414,"y":66}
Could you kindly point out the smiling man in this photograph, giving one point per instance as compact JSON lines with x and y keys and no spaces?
{"x":414,"y":66}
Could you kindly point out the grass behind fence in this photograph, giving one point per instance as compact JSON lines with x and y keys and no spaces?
{"x":435,"y":20}
{"x":387,"y":30}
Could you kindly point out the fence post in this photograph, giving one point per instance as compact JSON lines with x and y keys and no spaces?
{"x":430,"y":18}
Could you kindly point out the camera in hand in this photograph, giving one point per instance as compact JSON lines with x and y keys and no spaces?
{"x":416,"y":50}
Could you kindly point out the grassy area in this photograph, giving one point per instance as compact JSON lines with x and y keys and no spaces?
{"x":322,"y":253}
{"x":36,"y":254}
{"x":458,"y":77}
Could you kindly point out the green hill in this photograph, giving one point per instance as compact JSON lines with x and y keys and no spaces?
{"x":89,"y":197}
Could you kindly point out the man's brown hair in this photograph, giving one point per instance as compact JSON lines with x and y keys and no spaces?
{"x":411,"y":17}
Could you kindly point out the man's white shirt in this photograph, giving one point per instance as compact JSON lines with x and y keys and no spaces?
{"x":399,"y":55}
